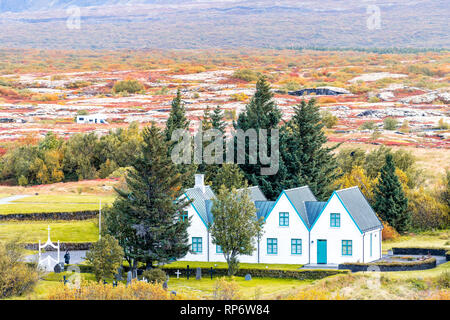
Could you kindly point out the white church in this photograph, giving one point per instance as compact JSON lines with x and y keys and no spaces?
{"x":298,"y":229}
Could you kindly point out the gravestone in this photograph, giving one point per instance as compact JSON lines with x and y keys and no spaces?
{"x":173,"y":292}
{"x":198,"y":274}
{"x":178,"y":274}
{"x":165,"y":285}
{"x":114,"y":284}
{"x":57,"y":268}
{"x":118,"y":275}
{"x":188,"y":272}
{"x":248,"y":277}
{"x":129,"y":277}
{"x":211,"y":272}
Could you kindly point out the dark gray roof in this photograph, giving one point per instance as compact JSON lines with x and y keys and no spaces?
{"x":198,"y":201}
{"x":263,"y":208}
{"x":202,"y":202}
{"x":298,"y":196}
{"x":255,"y":193}
{"x":313,"y":210}
{"x":358,"y":207}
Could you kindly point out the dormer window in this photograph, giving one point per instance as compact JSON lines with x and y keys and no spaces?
{"x":335,"y":220}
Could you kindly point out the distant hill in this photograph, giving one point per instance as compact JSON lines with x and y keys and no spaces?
{"x":195,"y":24}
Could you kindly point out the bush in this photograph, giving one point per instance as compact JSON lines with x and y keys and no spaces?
{"x":315,"y":294}
{"x":390,"y":123}
{"x":137,"y":290}
{"x":388,"y":233}
{"x":128,"y":86}
{"x":226,"y":290}
{"x":443,"y":281}
{"x":246,"y":75}
{"x":105,"y":257}
{"x":154,"y":275}
{"x":16,"y":277}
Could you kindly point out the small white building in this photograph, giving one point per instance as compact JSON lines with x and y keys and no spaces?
{"x":298,"y":229}
{"x":93,"y":118}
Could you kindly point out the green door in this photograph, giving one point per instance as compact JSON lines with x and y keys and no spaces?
{"x":322,"y":251}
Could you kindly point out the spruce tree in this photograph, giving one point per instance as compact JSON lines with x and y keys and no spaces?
{"x":261,"y":113}
{"x":390,"y":201}
{"x":177,"y":118}
{"x":302,"y":146}
{"x":145,"y":217}
{"x":217,"y":121}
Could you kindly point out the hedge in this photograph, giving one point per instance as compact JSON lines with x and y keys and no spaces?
{"x":79,"y":215}
{"x":265,"y":273}
{"x":261,"y":273}
{"x":71,"y":246}
{"x":420,"y":251}
{"x":390,"y":266}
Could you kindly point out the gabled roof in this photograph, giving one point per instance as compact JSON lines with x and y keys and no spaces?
{"x":360,"y":210}
{"x":255,"y":193}
{"x":263,"y":208}
{"x":313,"y":210}
{"x":198,"y":201}
{"x":202,"y":202}
{"x":298,"y":197}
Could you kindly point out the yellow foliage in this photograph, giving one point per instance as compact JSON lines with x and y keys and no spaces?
{"x":226,"y":290}
{"x":388,"y":233}
{"x":137,"y":290}
{"x":357,"y":177}
{"x":315,"y":294}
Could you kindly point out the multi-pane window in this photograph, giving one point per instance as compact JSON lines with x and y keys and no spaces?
{"x":218,"y":249}
{"x":272,"y":246}
{"x":284,"y":219}
{"x":346,"y":247}
{"x":335,"y":220}
{"x":184,"y":216}
{"x":196,"y":245}
{"x":296,"y":246}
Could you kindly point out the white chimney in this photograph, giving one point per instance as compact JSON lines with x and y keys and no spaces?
{"x":200,"y":182}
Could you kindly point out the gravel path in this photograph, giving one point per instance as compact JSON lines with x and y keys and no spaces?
{"x":7,"y":200}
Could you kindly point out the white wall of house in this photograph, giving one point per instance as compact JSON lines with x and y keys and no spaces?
{"x":197,"y":229}
{"x":295,"y":230}
{"x":374,"y":253}
{"x":334,"y":236}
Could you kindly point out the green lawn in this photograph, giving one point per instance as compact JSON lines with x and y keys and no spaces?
{"x":197,"y":264}
{"x":431,"y":239}
{"x":67,"y":231}
{"x":55,"y":203}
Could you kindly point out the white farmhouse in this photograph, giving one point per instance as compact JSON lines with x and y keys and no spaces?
{"x":93,"y":118}
{"x":298,"y":229}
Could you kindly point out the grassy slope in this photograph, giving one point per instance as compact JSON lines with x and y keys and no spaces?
{"x":436,"y":239}
{"x":56,"y":203}
{"x":67,"y":231}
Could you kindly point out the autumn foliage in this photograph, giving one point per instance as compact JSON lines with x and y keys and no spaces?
{"x":137,"y":290}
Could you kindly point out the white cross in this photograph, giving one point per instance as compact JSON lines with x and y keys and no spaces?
{"x":178,"y":274}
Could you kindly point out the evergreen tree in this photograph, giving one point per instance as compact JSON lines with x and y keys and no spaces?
{"x":230,"y":176}
{"x":261,"y":113}
{"x":177,"y":118}
{"x":390,"y":201}
{"x":307,"y":160}
{"x":217,"y":121}
{"x":145,"y":217}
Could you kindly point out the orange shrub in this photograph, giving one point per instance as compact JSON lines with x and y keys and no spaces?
{"x":388,"y":233}
{"x":326,"y":100}
{"x":137,"y":290}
